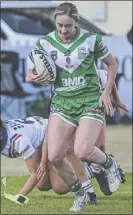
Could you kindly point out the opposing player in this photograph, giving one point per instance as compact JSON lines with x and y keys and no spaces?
{"x":24,"y":137}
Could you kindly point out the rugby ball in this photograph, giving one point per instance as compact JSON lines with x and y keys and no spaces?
{"x":43,"y":64}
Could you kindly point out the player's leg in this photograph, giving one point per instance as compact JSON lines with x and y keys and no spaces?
{"x":58,"y":184}
{"x":45,"y":183}
{"x":100,"y":142}
{"x":57,"y":147}
{"x":59,"y":137}
{"x":87,"y":134}
{"x":82,"y":173}
{"x":52,"y":180}
{"x":97,"y":171}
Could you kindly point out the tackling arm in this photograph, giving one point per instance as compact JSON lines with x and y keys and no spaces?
{"x":36,"y":173}
{"x":32,"y":164}
{"x":116,"y":99}
{"x":44,"y":161}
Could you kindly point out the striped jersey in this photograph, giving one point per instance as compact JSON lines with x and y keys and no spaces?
{"x":23,"y":136}
{"x":75,"y":62}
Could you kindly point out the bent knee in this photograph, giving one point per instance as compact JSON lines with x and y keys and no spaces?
{"x":60,"y":190}
{"x":85,"y":151}
{"x":55,"y":161}
{"x":45,"y":187}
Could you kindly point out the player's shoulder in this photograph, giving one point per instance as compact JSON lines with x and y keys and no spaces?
{"x":45,"y":39}
{"x":47,"y":36}
{"x":87,"y":33}
{"x":16,"y":137}
{"x":89,"y":36}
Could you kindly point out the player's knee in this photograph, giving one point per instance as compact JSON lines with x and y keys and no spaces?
{"x":55,"y":161}
{"x":44,"y":188}
{"x":60,"y":190}
{"x":70,"y":150}
{"x":84,"y":152}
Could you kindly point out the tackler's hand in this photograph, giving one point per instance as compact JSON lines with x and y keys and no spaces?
{"x":41,"y":171}
{"x":105,"y":100}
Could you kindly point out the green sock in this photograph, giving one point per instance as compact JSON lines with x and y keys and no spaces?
{"x":108,"y":162}
{"x":76,"y":188}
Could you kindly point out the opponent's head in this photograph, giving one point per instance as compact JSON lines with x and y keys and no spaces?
{"x":67,"y":17}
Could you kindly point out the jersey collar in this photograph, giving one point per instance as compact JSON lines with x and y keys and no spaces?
{"x":4,"y":139}
{"x":74,"y":39}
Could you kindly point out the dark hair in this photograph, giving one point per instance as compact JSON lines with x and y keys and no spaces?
{"x":69,"y":9}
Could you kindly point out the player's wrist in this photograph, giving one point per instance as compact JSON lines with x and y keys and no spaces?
{"x":44,"y":162}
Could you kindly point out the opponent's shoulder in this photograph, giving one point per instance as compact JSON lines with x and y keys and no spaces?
{"x":39,"y":120}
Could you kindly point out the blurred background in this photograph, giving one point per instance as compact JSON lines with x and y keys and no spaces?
{"x":23,"y":23}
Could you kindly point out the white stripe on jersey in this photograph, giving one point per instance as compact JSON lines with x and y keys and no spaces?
{"x":103,"y":76}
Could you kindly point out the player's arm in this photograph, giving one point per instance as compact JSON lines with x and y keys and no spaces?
{"x":31,"y":157}
{"x":32,"y":164}
{"x":114,"y":94}
{"x":44,"y":161}
{"x":30,"y":76}
{"x":101,"y":51}
{"x":116,"y":99}
{"x":37,"y":169}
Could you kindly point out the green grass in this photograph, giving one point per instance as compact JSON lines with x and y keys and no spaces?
{"x":50,"y":203}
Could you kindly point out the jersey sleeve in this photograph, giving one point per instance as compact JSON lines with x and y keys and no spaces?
{"x":24,"y":147}
{"x":41,"y":44}
{"x":101,"y":51}
{"x":103,"y":77}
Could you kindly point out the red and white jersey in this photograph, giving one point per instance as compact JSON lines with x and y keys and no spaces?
{"x":23,"y":136}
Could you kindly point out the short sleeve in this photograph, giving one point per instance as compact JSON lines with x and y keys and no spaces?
{"x":41,"y":44}
{"x":24,"y":147}
{"x":103,"y":77}
{"x":101,"y":51}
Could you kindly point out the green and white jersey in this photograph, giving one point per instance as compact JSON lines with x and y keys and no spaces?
{"x":75,"y":62}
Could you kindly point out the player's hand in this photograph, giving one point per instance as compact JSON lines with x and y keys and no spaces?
{"x":121,"y":108}
{"x":41,"y":171}
{"x":118,"y":105}
{"x":105,"y":100}
{"x":38,"y":79}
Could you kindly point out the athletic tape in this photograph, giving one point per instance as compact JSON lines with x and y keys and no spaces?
{"x":19,"y":198}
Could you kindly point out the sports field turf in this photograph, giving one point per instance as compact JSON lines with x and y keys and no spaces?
{"x":50,"y":203}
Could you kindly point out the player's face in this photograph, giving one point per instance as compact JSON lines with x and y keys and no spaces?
{"x":65,"y":26}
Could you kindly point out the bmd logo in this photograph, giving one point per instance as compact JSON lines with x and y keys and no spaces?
{"x":76,"y":81}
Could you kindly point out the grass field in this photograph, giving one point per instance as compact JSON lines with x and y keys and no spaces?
{"x":50,"y":203}
{"x":118,"y":143}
